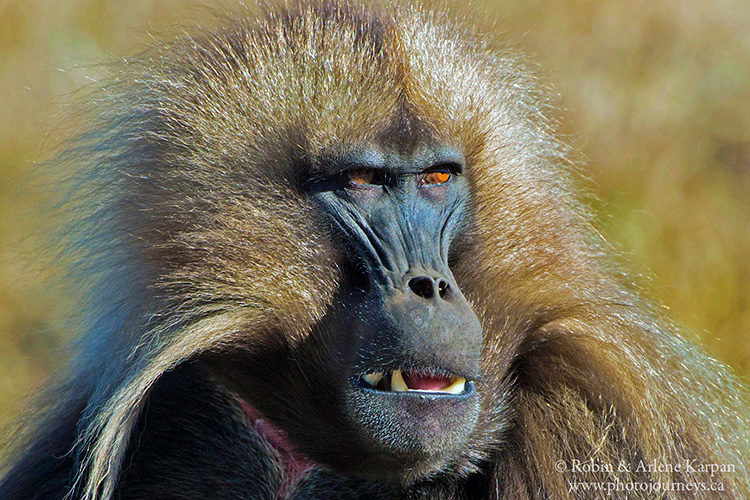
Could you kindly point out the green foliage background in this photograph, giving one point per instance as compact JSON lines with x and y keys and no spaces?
{"x":656,"y":93}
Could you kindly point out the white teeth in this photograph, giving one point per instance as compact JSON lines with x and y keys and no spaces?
{"x":373,"y":378}
{"x":397,"y":382}
{"x":457,"y":387}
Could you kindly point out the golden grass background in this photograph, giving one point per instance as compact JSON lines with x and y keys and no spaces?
{"x":656,"y":93}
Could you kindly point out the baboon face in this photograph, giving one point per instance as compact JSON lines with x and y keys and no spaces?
{"x":384,"y":385}
{"x":411,"y":341}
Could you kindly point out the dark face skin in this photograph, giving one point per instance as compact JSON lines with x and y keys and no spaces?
{"x":384,"y":387}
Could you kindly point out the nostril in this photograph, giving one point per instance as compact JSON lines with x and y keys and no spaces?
{"x":443,"y":288}
{"x":422,"y":286}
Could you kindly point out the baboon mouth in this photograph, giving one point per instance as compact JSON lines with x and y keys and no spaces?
{"x":405,"y":381}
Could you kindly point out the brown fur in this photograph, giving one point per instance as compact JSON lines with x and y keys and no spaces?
{"x":194,"y":237}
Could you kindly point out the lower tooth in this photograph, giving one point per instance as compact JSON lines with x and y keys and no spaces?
{"x":457,"y":387}
{"x":397,"y":382}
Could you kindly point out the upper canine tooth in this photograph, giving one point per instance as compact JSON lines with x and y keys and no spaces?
{"x":456,"y":387}
{"x":397,"y":382}
{"x":373,"y":378}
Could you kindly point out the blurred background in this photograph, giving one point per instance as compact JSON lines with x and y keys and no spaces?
{"x":655,"y":93}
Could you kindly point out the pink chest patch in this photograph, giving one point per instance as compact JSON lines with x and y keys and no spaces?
{"x":294,"y":464}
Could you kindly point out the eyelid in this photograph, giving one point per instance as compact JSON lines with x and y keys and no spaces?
{"x":451,"y":167}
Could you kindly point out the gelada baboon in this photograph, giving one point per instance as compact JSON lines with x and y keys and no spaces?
{"x":334,"y":253}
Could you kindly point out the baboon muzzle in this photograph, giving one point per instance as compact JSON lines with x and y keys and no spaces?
{"x":429,"y":333}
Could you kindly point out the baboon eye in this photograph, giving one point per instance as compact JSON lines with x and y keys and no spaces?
{"x":436,"y":176}
{"x":364,"y":176}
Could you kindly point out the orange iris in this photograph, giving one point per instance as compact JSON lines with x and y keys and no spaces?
{"x":436,"y":177}
{"x":362,"y":176}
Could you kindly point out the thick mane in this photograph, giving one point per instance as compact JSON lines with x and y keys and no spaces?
{"x":187,"y":212}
